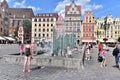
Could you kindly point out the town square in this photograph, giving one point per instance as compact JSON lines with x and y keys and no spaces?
{"x":59,"y":40}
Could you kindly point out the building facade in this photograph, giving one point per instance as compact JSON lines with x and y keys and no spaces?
{"x":73,"y":20}
{"x":42,"y":26}
{"x":110,"y":31}
{"x":17,"y":16}
{"x":4,"y":18}
{"x":88,"y":27}
{"x":60,"y":25}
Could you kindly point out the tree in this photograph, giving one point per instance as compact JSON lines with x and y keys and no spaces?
{"x":27,"y":24}
{"x":16,"y":32}
{"x":27,"y":29}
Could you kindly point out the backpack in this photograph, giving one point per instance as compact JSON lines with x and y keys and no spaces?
{"x":115,"y":52}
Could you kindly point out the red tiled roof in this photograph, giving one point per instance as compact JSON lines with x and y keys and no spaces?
{"x":21,"y":12}
{"x":68,"y":7}
{"x":46,"y":15}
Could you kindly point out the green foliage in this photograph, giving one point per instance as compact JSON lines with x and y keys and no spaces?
{"x":27,"y":23}
{"x":16,"y":32}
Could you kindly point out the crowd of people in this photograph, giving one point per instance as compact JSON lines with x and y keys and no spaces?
{"x":28,"y":50}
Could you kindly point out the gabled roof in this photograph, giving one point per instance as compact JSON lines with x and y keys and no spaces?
{"x":68,"y":7}
{"x":21,"y":12}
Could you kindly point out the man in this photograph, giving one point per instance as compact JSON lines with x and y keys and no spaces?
{"x":118,"y":55}
{"x":100,"y":47}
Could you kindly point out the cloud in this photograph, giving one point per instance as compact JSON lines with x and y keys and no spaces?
{"x":23,"y":5}
{"x":35,"y":8}
{"x":85,"y":5}
{"x":6,"y":0}
{"x":20,"y":4}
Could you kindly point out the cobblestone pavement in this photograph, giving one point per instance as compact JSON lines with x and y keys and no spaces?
{"x":91,"y":71}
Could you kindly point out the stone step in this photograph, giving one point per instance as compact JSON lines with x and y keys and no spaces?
{"x":56,"y":61}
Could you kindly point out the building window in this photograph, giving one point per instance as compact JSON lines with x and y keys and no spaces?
{"x":47,"y":20}
{"x":43,"y":35}
{"x":35,"y":20}
{"x":35,"y":30}
{"x":35,"y":35}
{"x":47,"y":25}
{"x":78,"y":24}
{"x":51,"y":30}
{"x":66,"y":24}
{"x":47,"y":35}
{"x":70,"y":23}
{"x":51,"y":19}
{"x":43,"y":30}
{"x":74,"y":24}
{"x":43,"y":24}
{"x":39,"y":35}
{"x":51,"y":24}
{"x":73,"y":9}
{"x":0,"y":29}
{"x":39,"y":24}
{"x":35,"y":24}
{"x":39,"y":30}
{"x":39,"y":20}
{"x":44,"y":20}
{"x":47,"y":30}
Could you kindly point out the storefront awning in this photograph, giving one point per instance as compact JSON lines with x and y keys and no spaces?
{"x":88,"y":40}
{"x":10,"y":38}
{"x":1,"y":38}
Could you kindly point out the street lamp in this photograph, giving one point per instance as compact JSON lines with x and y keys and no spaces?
{"x":105,"y":27}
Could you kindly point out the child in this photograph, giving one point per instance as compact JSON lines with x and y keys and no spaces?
{"x":103,"y":54}
{"x":21,"y":49}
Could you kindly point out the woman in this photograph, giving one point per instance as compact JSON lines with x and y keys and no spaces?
{"x":88,"y":51}
{"x":28,"y":56}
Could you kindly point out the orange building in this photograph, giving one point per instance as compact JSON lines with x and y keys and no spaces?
{"x":88,"y":27}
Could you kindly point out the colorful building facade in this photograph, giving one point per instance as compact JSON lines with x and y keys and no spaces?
{"x":73,"y":20}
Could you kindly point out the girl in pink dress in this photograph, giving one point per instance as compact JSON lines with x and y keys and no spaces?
{"x":103,"y":54}
{"x":21,"y":49}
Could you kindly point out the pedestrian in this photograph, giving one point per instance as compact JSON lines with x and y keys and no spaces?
{"x":33,"y":48}
{"x":88,"y":57}
{"x":21,"y":49}
{"x":115,"y":54}
{"x":100,"y":47}
{"x":118,"y":56}
{"x":28,"y":56}
{"x":69,"y":52}
{"x":103,"y":54}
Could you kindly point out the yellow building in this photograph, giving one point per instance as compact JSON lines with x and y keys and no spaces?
{"x":117,"y":28}
{"x":99,"y":30}
{"x":42,"y":26}
{"x":112,"y":31}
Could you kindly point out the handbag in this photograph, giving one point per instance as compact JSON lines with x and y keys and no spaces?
{"x":100,"y":58}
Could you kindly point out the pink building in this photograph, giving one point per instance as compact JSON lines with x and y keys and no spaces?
{"x":60,"y":25}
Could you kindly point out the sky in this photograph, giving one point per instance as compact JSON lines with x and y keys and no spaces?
{"x":100,"y":8}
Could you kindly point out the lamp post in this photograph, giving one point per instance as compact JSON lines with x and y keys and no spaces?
{"x":105,"y":27}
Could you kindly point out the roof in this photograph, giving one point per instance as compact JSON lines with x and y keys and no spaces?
{"x":68,"y":7}
{"x":46,"y":15}
{"x":21,"y":12}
